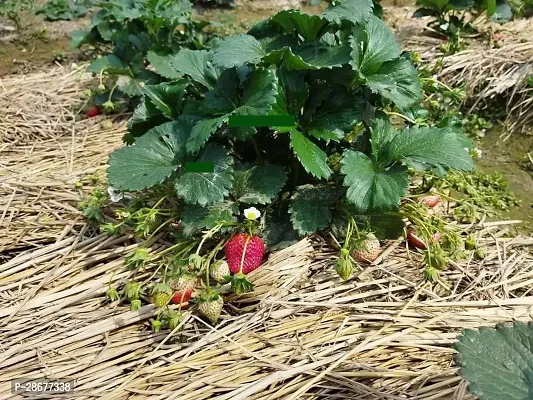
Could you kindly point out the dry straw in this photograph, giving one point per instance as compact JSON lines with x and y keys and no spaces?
{"x":303,"y":334}
{"x":497,"y":75}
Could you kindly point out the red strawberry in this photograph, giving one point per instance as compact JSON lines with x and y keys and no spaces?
{"x":235,"y":253}
{"x":430,"y":200}
{"x":414,"y":240}
{"x":182,"y":296}
{"x":497,"y":36}
{"x":93,"y":111}
{"x":183,"y":289}
{"x":418,"y":242}
{"x":368,"y":251}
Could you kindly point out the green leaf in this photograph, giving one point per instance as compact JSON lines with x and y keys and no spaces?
{"x":316,"y":55}
{"x":310,"y":27}
{"x":491,"y":7}
{"x":195,"y":218}
{"x":398,"y":82}
{"x":459,"y":5}
{"x":312,"y":157}
{"x":382,"y":133}
{"x":337,"y":116}
{"x":432,"y":146}
{"x":237,"y":50}
{"x":310,"y":208}
{"x":109,"y":63}
{"x":224,"y":98}
{"x":151,"y":160}
{"x":279,"y":232}
{"x":355,"y":11}
{"x":371,"y":189}
{"x":166,"y":97}
{"x":202,"y":131}
{"x":384,"y":226}
{"x":498,"y":363}
{"x":372,"y":45}
{"x":206,"y":188}
{"x":295,"y":89}
{"x":162,"y":65}
{"x":503,"y":12}
{"x":79,"y":37}
{"x":259,"y":184}
{"x":258,"y":98}
{"x":196,"y":64}
{"x":259,"y":95}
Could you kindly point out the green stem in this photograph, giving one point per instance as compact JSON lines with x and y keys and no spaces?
{"x":257,"y":152}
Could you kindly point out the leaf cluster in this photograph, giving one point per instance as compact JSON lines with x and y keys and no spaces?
{"x":64,"y":10}
{"x":138,"y":33}
{"x":335,"y":74}
{"x":449,"y":14}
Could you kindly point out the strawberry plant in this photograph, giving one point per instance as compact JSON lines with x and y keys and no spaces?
{"x":451,"y":17}
{"x":338,"y":75}
{"x":64,"y":10}
{"x":140,"y":34}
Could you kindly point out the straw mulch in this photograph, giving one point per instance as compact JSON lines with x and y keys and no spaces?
{"x":45,"y":149}
{"x":491,"y":75}
{"x":303,"y":334}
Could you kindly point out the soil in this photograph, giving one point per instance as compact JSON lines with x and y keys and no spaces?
{"x":505,"y":157}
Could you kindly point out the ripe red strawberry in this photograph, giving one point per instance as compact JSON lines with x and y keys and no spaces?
{"x":210,"y":305}
{"x":414,"y":240}
{"x":182,"y":296}
{"x":183,"y":289}
{"x":219,"y":271}
{"x":93,"y":111}
{"x":368,"y":250}
{"x":418,"y":242}
{"x":430,"y":200}
{"x":235,"y":253}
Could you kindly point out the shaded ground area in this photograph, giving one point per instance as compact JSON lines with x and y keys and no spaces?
{"x":505,"y":157}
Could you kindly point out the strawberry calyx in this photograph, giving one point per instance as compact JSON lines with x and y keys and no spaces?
{"x":208,"y":295}
{"x":240,"y":283}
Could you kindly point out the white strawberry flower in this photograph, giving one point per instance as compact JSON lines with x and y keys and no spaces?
{"x":114,"y":194}
{"x":252,"y":213}
{"x":475,"y":153}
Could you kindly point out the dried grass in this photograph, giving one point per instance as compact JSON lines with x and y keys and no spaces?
{"x":497,"y":75}
{"x":303,"y":334}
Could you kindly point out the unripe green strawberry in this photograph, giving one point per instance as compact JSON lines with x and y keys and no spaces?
{"x":344,"y":266}
{"x":161,"y":299}
{"x":210,"y":305}
{"x":161,"y":295}
{"x":219,"y":271}
{"x":368,"y":250}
